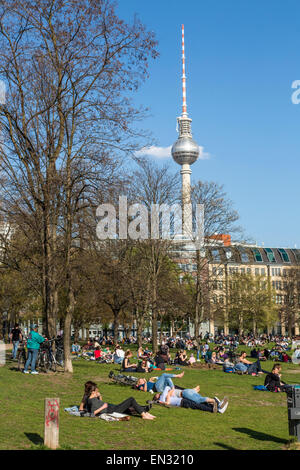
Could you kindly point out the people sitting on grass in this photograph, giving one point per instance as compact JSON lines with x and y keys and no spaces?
{"x":157,"y":384}
{"x":247,"y":367}
{"x":126,"y":366}
{"x":181,"y":358}
{"x":191,"y":360}
{"x":75,"y":349}
{"x":191,"y":398}
{"x":92,"y":403}
{"x":119,"y":354}
{"x":273,"y":380}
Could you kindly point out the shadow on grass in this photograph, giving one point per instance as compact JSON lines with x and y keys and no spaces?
{"x":260,"y":436}
{"x":34,"y":438}
{"x":224,"y":446}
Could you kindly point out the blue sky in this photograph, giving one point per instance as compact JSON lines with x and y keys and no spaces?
{"x":242,"y":57}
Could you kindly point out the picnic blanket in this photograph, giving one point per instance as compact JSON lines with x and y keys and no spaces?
{"x":74,"y":411}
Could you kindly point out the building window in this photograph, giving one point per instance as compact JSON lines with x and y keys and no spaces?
{"x":256,"y":271}
{"x":244,"y":256}
{"x":270,"y":255}
{"x":216,"y":255}
{"x":242,"y":270}
{"x":257,"y":255}
{"x":276,"y":272}
{"x":284,"y":255}
{"x":220,"y":272}
{"x":263,"y":271}
{"x":248,"y":270}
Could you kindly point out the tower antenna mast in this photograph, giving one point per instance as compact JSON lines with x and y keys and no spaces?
{"x":184,"y":106}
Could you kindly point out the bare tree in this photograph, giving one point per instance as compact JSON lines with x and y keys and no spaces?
{"x":69,"y":66}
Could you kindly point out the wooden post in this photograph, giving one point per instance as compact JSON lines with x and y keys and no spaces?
{"x":51,"y":426}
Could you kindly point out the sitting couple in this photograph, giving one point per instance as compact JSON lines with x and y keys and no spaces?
{"x":191,"y":398}
{"x":92,"y":403}
{"x":243,"y":366}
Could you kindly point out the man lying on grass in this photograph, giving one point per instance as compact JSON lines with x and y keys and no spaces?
{"x":191,"y":398}
{"x":92,"y":402}
{"x":158,"y":384}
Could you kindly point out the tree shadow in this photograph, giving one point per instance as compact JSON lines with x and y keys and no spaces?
{"x":261,"y":436}
{"x":34,"y":438}
{"x":224,"y":446}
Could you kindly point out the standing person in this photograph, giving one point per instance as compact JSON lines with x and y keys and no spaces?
{"x":33,"y":345}
{"x":16,"y":337}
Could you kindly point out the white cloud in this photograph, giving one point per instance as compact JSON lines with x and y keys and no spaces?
{"x":157,"y":152}
{"x":165,"y":152}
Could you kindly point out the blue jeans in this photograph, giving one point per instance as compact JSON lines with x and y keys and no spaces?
{"x":164,"y":381}
{"x":31,"y":360}
{"x":192,"y":395}
{"x":15,"y":349}
{"x":118,"y":360}
{"x":241,"y":366}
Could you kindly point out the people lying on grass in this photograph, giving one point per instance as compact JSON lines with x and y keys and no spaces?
{"x":96,"y":405}
{"x":273,"y":380}
{"x":191,"y":398}
{"x":246,"y":367}
{"x":157,"y":384}
{"x":126,"y":366}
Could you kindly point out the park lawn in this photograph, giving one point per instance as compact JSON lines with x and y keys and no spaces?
{"x":254,"y":420}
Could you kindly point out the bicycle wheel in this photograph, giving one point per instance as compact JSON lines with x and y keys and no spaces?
{"x":21,"y":360}
{"x":47,"y":363}
{"x":53,"y":365}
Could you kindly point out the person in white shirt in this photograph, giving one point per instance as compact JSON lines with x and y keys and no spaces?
{"x":119,"y":355}
{"x":190,"y":398}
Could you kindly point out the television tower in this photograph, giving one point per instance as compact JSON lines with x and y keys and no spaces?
{"x":185,"y":152}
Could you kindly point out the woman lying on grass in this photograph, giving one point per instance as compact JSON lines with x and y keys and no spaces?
{"x":93,"y":403}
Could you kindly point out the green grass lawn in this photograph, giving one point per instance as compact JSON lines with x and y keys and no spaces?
{"x":254,"y":420}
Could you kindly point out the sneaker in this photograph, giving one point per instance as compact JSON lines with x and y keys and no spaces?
{"x":222,"y":410}
{"x":25,"y":372}
{"x":111,"y":374}
{"x":215,"y":407}
{"x":34,"y":372}
{"x":223,"y":405}
{"x":217,"y":400}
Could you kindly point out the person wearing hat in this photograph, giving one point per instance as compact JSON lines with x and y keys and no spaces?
{"x":33,"y":345}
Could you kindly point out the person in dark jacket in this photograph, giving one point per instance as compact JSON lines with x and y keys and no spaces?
{"x":273,"y":380}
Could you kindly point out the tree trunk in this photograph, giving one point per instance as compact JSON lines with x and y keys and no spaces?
{"x":139,"y":322}
{"x":116,"y":326}
{"x":67,"y":331}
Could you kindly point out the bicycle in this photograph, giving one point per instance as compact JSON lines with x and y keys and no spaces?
{"x":55,"y":360}
{"x":21,"y":356}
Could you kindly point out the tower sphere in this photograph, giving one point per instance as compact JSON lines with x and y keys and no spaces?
{"x":185,"y":151}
